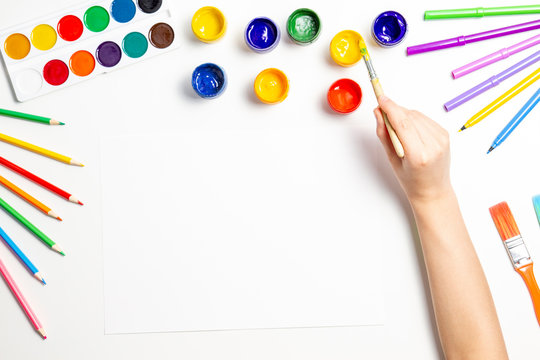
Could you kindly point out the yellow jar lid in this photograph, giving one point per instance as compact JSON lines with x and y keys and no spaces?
{"x":209,"y":24}
{"x":345,"y":48}
{"x":271,"y":86}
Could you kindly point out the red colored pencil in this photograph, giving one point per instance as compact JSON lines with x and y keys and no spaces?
{"x":39,"y":181}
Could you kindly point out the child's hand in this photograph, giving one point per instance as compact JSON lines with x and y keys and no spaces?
{"x":424,"y":171}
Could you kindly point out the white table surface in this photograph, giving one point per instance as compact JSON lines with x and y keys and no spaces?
{"x":71,"y":306}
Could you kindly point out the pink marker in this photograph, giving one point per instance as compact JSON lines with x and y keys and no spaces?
{"x":22,"y":301}
{"x":496,"y":56}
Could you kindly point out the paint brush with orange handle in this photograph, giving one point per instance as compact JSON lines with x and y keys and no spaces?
{"x":517,"y":250}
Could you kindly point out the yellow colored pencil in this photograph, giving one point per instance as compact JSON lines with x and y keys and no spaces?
{"x":503,"y":99}
{"x":29,"y":198}
{"x":39,"y":150}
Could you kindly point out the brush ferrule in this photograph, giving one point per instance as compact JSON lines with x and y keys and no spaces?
{"x":517,"y":251}
{"x":371,"y":70}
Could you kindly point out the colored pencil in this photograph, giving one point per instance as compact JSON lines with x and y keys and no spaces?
{"x":503,"y":99}
{"x":17,"y":251}
{"x":492,"y":82}
{"x":481,"y":12}
{"x":516,"y":120}
{"x":377,"y":88}
{"x":496,"y":56}
{"x":47,"y":185}
{"x":29,"y":198}
{"x":38,"y":233}
{"x":517,"y":250}
{"x":463,"y":40}
{"x":536,"y":205}
{"x":36,"y":118}
{"x":22,"y":301}
{"x":39,"y":150}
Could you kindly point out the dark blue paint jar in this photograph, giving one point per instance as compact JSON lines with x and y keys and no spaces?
{"x":262,"y":35}
{"x":389,"y":28}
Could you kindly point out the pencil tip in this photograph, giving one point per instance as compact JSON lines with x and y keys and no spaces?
{"x":43,"y":281}
{"x":62,"y":253}
{"x":80,"y":203}
{"x":61,"y":123}
{"x":463,"y":128}
{"x":59,"y":218}
{"x":490,"y":149}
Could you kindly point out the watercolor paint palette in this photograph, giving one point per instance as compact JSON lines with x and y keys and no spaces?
{"x":75,"y":45}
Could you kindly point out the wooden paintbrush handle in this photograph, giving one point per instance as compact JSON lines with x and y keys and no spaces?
{"x":398,"y":147}
{"x":527,"y":274}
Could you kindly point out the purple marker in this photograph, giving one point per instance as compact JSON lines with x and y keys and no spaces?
{"x":492,"y":82}
{"x":496,"y":56}
{"x":462,"y":40}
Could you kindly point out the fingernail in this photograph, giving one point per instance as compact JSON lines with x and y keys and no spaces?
{"x":382,"y":98}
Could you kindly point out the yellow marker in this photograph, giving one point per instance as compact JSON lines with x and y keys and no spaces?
{"x":503,"y":99}
{"x":38,"y":150}
{"x":271,"y":86}
{"x":43,"y":37}
{"x":208,"y":24}
{"x":345,"y":49}
{"x":17,"y":46}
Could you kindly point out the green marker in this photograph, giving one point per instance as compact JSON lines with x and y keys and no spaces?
{"x":39,"y":119}
{"x":39,"y":234}
{"x":481,"y":12}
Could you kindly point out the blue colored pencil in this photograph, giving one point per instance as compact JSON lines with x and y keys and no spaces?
{"x":21,"y":256}
{"x":516,"y":120}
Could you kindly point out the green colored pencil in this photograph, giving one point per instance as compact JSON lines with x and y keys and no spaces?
{"x":481,"y":11}
{"x":36,"y":118}
{"x":39,"y":234}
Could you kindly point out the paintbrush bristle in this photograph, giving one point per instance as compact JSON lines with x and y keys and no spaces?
{"x":536,"y":204}
{"x":362,"y":46}
{"x":504,"y":221}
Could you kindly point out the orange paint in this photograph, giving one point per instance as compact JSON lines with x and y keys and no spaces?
{"x":82,"y":63}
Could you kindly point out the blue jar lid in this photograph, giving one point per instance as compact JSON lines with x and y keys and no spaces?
{"x":389,"y":28}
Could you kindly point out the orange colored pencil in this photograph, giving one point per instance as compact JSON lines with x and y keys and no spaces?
{"x":29,"y":198}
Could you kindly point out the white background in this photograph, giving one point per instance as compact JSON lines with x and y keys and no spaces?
{"x":71,"y":306}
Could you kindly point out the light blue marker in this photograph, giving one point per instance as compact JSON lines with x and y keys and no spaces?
{"x":21,"y":256}
{"x":525,"y":110}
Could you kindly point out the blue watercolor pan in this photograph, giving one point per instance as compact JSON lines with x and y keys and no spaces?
{"x":209,"y":80}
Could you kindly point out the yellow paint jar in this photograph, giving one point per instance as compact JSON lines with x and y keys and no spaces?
{"x":345,"y":49}
{"x":271,"y":86}
{"x":209,"y":24}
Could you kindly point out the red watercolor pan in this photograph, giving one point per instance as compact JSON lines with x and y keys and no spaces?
{"x":70,"y":28}
{"x":344,"y":96}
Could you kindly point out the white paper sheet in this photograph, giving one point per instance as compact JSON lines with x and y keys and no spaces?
{"x":240,"y":229}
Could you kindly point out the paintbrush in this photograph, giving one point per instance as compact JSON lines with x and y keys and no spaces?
{"x":377,"y":88}
{"x":517,"y":250}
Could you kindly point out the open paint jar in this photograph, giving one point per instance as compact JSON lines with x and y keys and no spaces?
{"x":209,"y":24}
{"x":271,"y":86}
{"x":209,"y":80}
{"x":389,"y":28}
{"x":345,"y":48}
{"x":262,"y":35}
{"x":304,"y":26}
{"x":344,"y":96}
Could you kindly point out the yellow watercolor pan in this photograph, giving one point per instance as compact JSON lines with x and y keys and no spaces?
{"x":345,"y":49}
{"x":209,"y":24}
{"x":271,"y":86}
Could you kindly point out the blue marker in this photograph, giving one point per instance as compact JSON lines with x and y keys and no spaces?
{"x":21,"y":256}
{"x":525,"y":110}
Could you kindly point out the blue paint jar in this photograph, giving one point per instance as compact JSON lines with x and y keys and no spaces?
{"x":389,"y":28}
{"x":209,"y":80}
{"x":262,"y":35}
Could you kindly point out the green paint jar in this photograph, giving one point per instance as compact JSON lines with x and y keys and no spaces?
{"x":304,"y":26}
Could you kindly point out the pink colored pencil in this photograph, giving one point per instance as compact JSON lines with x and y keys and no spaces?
{"x":22,"y":301}
{"x":496,"y":56}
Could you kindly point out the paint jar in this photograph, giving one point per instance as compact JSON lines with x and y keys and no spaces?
{"x":209,"y":80}
{"x":262,"y":35}
{"x":208,"y":24}
{"x":389,"y":29}
{"x":345,"y":48}
{"x":271,"y":86}
{"x":304,"y":26}
{"x":344,"y":96}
